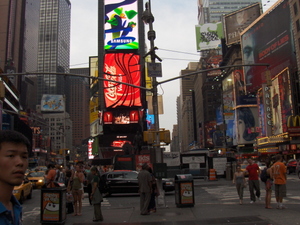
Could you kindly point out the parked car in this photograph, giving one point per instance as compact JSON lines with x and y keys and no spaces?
{"x":23,"y":191}
{"x":125,"y":181}
{"x":291,"y":166}
{"x":37,"y":178}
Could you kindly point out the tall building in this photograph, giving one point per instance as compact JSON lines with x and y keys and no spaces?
{"x":210,"y":11}
{"x":78,"y":105}
{"x":54,"y":46}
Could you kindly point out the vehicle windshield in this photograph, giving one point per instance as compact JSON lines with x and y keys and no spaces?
{"x":36,"y":174}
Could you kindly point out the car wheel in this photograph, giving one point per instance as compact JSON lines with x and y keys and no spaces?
{"x":30,"y":194}
{"x":22,"y":198}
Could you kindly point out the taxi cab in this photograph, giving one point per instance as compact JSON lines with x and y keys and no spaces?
{"x":37,"y":178}
{"x":24,"y":191}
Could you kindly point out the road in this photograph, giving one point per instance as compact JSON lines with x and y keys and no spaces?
{"x":207,"y":194}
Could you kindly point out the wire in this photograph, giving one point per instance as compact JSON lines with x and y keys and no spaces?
{"x":188,"y":53}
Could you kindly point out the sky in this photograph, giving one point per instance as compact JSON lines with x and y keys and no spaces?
{"x":174,"y":25}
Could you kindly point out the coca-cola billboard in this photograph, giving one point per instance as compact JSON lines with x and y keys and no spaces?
{"x":125,"y":68}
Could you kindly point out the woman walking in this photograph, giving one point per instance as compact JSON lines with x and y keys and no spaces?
{"x":96,"y":197}
{"x":77,"y":191}
{"x":240,"y":182}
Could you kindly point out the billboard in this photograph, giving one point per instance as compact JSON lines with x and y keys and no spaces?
{"x":122,"y":67}
{"x":121,"y":24}
{"x":246,"y":122}
{"x":52,"y":103}
{"x":208,"y":36}
{"x":237,"y":21}
{"x":281,"y":102}
{"x":269,"y":40}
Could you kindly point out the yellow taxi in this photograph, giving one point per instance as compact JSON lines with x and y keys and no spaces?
{"x":24,"y":191}
{"x":37,"y":178}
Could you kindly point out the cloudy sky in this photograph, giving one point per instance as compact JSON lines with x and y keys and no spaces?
{"x":174,"y":24}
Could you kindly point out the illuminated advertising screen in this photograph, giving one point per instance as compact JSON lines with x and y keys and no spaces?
{"x":122,"y":67}
{"x":52,"y":103}
{"x":121,"y":24}
{"x":269,"y":40}
{"x":237,"y":21}
{"x":121,"y":117}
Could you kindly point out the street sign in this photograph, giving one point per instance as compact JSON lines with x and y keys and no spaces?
{"x":154,"y":69}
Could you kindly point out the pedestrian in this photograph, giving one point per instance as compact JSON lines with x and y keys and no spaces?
{"x":75,"y":184}
{"x":145,"y":186}
{"x":154,"y":192}
{"x":51,"y":175}
{"x":96,"y":196}
{"x":253,"y":172}
{"x":89,"y":178}
{"x":14,"y":148}
{"x":268,"y":186}
{"x":279,"y":176}
{"x":240,"y":182}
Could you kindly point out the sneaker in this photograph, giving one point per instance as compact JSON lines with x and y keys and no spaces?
{"x":282,"y":207}
{"x":251,"y":202}
{"x":259,"y":199}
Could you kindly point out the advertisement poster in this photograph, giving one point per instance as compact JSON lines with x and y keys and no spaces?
{"x":186,"y":193}
{"x":50,"y":204}
{"x":269,"y":40}
{"x":124,"y":68}
{"x":208,"y":36}
{"x":121,"y":24}
{"x":140,"y":160}
{"x":52,"y":103}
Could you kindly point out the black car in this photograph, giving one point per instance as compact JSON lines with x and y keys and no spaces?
{"x":123,"y":181}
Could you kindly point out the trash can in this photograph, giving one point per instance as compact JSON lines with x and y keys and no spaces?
{"x":53,"y":205}
{"x":184,"y":190}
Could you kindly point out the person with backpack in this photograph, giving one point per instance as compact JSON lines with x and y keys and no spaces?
{"x":240,"y":182}
{"x":266,"y":177}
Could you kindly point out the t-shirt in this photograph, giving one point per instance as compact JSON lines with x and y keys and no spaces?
{"x":144,"y":179}
{"x":51,"y":177}
{"x":253,"y":171}
{"x":279,"y":173}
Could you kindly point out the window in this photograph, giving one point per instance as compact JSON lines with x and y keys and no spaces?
{"x":298,"y":25}
{"x":295,"y":9}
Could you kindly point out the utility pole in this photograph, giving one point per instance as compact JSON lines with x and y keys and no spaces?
{"x":148,"y":18}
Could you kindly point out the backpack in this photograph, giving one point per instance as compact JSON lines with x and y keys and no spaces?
{"x":264,"y":175}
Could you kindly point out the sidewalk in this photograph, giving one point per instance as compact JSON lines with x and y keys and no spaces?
{"x":207,"y":210}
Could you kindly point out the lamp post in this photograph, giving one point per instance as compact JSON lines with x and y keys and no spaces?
{"x":148,"y":18}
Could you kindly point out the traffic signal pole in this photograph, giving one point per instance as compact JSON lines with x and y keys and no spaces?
{"x":148,"y":18}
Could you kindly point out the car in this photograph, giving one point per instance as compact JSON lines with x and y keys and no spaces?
{"x":291,"y":166}
{"x":126,"y":181}
{"x":261,"y":165}
{"x":23,"y":191}
{"x":37,"y":178}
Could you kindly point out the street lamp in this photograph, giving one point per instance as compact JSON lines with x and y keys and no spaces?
{"x":148,"y":18}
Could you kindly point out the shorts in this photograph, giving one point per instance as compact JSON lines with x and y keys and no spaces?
{"x":269,"y":184}
{"x":280,"y":190}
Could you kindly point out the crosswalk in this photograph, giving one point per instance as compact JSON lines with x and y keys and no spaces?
{"x":228,"y":195}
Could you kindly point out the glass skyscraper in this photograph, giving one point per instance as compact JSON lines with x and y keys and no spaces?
{"x":54,"y":46}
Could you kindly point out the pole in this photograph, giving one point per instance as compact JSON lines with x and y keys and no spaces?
{"x":147,"y":17}
{"x":64,"y":134}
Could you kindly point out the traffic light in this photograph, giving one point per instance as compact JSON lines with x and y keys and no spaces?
{"x":164,"y":136}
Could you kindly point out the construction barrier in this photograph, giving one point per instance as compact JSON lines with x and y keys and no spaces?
{"x":212,"y":174}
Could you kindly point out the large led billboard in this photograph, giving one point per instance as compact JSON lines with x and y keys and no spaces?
{"x":121,"y":24}
{"x":52,"y":103}
{"x":270,"y":41}
{"x":237,"y":21}
{"x":125,"y":68}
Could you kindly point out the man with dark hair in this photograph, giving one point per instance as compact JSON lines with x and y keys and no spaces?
{"x":253,"y":171}
{"x":279,"y":176}
{"x":14,"y":148}
{"x":144,"y":179}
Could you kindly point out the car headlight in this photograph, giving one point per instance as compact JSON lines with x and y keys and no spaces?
{"x":16,"y":191}
{"x":40,"y":181}
{"x":169,"y":183}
